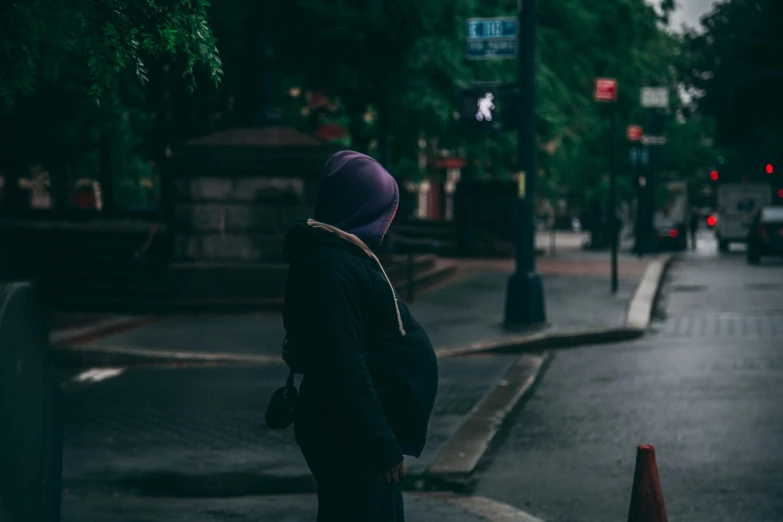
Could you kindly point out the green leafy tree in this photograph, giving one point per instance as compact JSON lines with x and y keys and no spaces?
{"x":400,"y":60}
{"x":58,"y":57}
{"x":737,"y":75}
{"x":39,"y":37}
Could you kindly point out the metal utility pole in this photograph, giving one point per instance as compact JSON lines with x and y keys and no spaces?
{"x":656,"y":129}
{"x":640,"y":240}
{"x":613,"y":199}
{"x":656,"y":99}
{"x":267,"y":113}
{"x":384,"y":141}
{"x":525,"y":290}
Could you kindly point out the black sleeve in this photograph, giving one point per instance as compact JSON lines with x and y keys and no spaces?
{"x":336,"y":309}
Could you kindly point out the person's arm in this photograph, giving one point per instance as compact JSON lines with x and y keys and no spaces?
{"x":337,"y":309}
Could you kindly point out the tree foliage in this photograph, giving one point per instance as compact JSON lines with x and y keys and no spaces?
{"x":737,"y":75}
{"x":391,"y":68}
{"x":38,"y":39}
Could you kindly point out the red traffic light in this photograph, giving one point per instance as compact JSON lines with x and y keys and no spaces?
{"x":770,"y":170}
{"x":714,"y":175}
{"x":711,"y":221}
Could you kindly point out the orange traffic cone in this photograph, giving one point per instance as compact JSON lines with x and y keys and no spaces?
{"x":646,"y":496}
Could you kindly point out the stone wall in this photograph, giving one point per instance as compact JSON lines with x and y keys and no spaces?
{"x":236,"y":220}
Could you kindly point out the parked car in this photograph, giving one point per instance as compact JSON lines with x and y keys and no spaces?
{"x":765,"y":237}
{"x":737,"y":204}
{"x":671,"y":217}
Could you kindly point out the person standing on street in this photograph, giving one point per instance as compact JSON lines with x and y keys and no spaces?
{"x":694,"y":226}
{"x":370,"y":372}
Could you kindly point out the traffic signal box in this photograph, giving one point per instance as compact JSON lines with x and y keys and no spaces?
{"x":749,"y":173}
{"x":763,"y":172}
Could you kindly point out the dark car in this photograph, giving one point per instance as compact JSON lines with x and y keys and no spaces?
{"x":765,"y":237}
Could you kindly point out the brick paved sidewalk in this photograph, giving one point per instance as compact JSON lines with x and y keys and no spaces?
{"x":79,"y":506}
{"x":200,"y":430}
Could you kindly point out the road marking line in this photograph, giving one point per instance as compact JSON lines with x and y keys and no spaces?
{"x":98,"y":374}
{"x":100,"y":329}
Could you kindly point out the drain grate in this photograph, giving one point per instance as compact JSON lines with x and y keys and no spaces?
{"x":734,"y":327}
{"x":764,"y":286}
{"x":688,"y":288}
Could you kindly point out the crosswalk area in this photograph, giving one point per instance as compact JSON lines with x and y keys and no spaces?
{"x":724,"y":326}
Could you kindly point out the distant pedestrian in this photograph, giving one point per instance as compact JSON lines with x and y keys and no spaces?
{"x":694,"y":227}
{"x":370,"y":372}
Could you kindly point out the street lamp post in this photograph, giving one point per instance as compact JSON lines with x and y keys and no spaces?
{"x":613,"y":199}
{"x":267,"y":113}
{"x":525,"y":291}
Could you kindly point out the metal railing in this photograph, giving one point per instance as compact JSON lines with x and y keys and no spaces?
{"x":142,"y":257}
{"x":410,"y":247}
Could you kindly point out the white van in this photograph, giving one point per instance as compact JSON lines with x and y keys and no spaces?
{"x":737,"y":204}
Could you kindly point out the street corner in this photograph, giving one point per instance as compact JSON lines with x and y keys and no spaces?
{"x":581,"y":311}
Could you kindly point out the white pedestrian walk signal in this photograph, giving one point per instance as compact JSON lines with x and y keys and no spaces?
{"x":485,"y":108}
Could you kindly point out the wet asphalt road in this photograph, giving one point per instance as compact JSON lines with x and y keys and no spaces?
{"x":705,"y":388}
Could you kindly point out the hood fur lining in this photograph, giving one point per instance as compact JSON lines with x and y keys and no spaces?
{"x":358,"y":242}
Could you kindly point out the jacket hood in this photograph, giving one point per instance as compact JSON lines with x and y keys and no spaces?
{"x":358,"y":196}
{"x":306,"y":234}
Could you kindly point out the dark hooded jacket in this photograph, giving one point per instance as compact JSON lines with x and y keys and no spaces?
{"x":370,"y":373}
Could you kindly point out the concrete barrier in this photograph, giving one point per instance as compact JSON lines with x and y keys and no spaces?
{"x":30,"y":411}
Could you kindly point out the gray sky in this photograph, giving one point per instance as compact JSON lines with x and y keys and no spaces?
{"x":688,"y":12}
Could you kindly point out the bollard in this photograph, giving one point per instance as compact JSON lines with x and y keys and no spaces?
{"x":31,"y":409}
{"x":142,"y":256}
{"x":411,"y":278}
{"x":144,"y":276}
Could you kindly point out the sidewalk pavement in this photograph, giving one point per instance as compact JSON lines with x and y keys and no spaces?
{"x":79,"y":506}
{"x":464,"y":312}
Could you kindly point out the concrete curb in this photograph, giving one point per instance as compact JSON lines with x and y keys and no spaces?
{"x":103,"y":328}
{"x":462,"y":452}
{"x":111,"y":356}
{"x":637,"y":320}
{"x":110,"y":505}
{"x":486,"y":508}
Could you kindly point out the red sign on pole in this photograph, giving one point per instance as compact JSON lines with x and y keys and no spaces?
{"x":605,"y":89}
{"x":450,"y":163}
{"x":634,"y":133}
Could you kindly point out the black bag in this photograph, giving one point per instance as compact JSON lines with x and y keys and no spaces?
{"x":280,"y":412}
